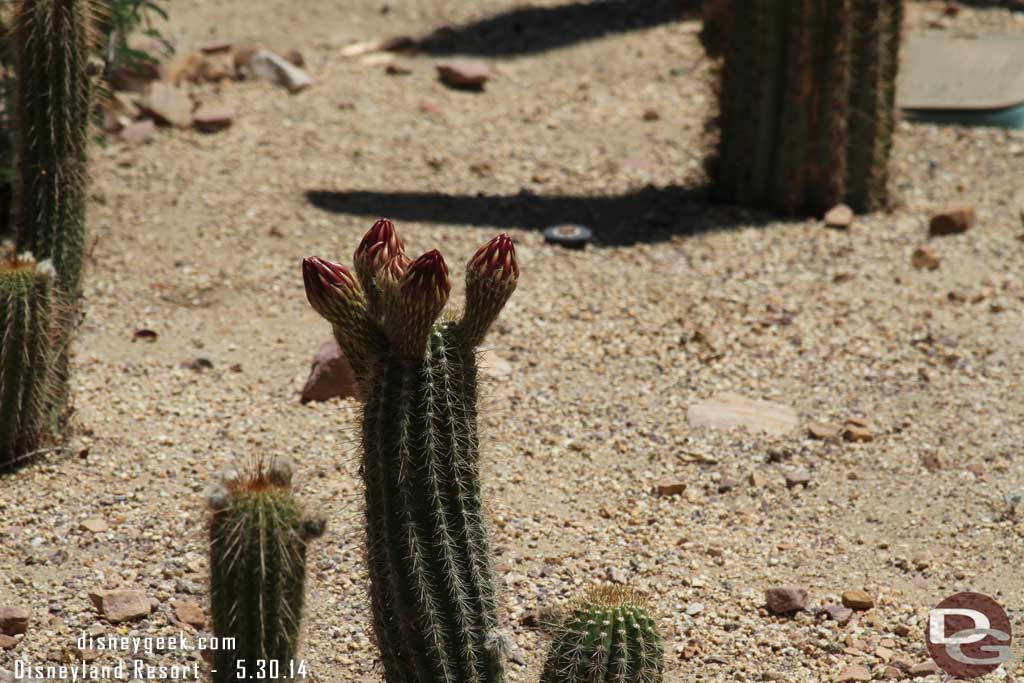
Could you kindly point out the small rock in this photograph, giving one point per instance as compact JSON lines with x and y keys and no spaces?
{"x":729,"y":411}
{"x":693,"y":609}
{"x":121,"y":604}
{"x":924,"y":258}
{"x":190,"y":613}
{"x":923,"y":669}
{"x":858,"y":431}
{"x":838,"y":613}
{"x":921,"y":560}
{"x":7,"y":642}
{"x":891,"y":673}
{"x":884,"y":653}
{"x":952,"y":220}
{"x":209,"y":118}
{"x":464,"y":73}
{"x":858,"y":600}
{"x":651,"y":115}
{"x":823,"y":430}
{"x":853,"y":674}
{"x":758,"y":479}
{"x":785,"y":599}
{"x":13,"y":620}
{"x":139,"y":132}
{"x":96,"y":525}
{"x":669,"y":489}
{"x":797,"y":478}
{"x":183,"y":67}
{"x":272,"y":67}
{"x":839,"y":216}
{"x":168,"y":104}
{"x":330,"y":375}
{"x":727,"y":484}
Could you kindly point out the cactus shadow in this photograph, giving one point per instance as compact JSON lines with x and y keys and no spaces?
{"x":652,"y":214}
{"x":529,"y":30}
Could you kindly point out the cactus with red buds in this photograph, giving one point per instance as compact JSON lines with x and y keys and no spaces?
{"x":431,"y":590}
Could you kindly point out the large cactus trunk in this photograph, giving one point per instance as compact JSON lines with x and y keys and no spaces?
{"x":806,"y":101}
{"x":431,"y":591}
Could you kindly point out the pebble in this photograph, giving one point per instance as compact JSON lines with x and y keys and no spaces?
{"x":853,"y":673}
{"x":120,"y":604}
{"x":824,"y":430}
{"x":13,"y":620}
{"x":797,"y":478}
{"x":952,"y":220}
{"x":924,"y":258}
{"x":785,"y":599}
{"x":730,"y":411}
{"x":209,"y":118}
{"x":464,"y":73}
{"x":838,"y":613}
{"x":923,"y":669}
{"x":858,"y":600}
{"x":190,"y":613}
{"x":96,"y":525}
{"x":272,"y":67}
{"x":839,"y":216}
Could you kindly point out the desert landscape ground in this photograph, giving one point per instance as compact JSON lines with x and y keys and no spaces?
{"x":595,"y":113}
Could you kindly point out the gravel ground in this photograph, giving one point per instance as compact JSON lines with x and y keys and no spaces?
{"x":199,"y":238}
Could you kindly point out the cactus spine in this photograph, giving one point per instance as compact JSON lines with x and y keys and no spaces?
{"x":806,"y":101}
{"x":258,"y":540}
{"x":609,"y":637}
{"x":26,"y":339}
{"x":51,"y":40}
{"x":431,"y":590}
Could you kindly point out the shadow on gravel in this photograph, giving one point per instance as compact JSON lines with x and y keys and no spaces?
{"x":653,"y":214}
{"x":527,"y":30}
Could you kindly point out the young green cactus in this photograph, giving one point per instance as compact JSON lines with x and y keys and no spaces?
{"x":431,"y":589}
{"x":258,"y":539}
{"x":26,"y":355}
{"x":806,"y":101}
{"x":609,"y":637}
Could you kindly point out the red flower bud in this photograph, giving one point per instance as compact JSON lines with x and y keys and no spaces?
{"x":495,"y":260}
{"x":426,"y":278}
{"x":329,"y":286}
{"x":380,"y":244}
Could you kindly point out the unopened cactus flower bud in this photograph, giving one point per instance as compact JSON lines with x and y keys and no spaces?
{"x":491,"y":277}
{"x":380,"y":245}
{"x":422,"y":294}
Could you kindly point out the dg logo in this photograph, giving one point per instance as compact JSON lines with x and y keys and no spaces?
{"x":968,"y":635}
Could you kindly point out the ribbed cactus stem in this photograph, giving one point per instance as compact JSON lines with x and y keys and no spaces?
{"x":609,"y":637}
{"x":26,"y":355}
{"x":806,"y":101}
{"x":52,"y":41}
{"x":258,"y":539}
{"x":431,"y":590}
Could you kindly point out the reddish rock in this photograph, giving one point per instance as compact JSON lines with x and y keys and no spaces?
{"x":838,"y":613}
{"x":209,"y":118}
{"x":924,"y":669}
{"x":121,"y":604}
{"x":823,"y":430}
{"x":168,"y":105}
{"x":952,"y":220}
{"x":190,"y":613}
{"x":331,"y":375}
{"x":464,"y":73}
{"x":855,"y":673}
{"x":785,"y":599}
{"x":858,"y":600}
{"x":13,"y":620}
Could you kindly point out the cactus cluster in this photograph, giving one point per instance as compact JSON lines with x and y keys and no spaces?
{"x":806,"y":101}
{"x":258,"y":538}
{"x":26,"y":355}
{"x":431,"y":589}
{"x":608,"y":637}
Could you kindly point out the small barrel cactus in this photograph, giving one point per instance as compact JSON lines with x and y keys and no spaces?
{"x":26,"y":355}
{"x":431,"y":590}
{"x":258,"y":539}
{"x":609,"y":637}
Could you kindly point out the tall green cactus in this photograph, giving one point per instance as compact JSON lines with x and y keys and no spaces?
{"x":431,"y":589}
{"x":258,"y":539}
{"x":609,"y":637}
{"x":26,"y":355}
{"x":806,"y":101}
{"x":51,"y":41}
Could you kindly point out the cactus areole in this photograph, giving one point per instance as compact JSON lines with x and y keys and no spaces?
{"x":431,"y":589}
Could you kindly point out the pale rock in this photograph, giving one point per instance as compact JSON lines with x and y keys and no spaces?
{"x":729,"y":411}
{"x":272,"y":67}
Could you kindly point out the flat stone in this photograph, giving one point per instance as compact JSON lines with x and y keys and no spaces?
{"x":923,"y":669}
{"x":464,"y":73}
{"x":824,"y":430}
{"x":785,"y":599}
{"x":858,"y":600}
{"x":857,"y":434}
{"x":730,"y":411}
{"x":838,"y":613}
{"x":121,"y":604}
{"x":190,"y":613}
{"x":853,"y":674}
{"x":952,"y":220}
{"x":13,"y":620}
{"x":797,"y":478}
{"x":839,"y":216}
{"x":168,"y":104}
{"x":330,"y":376}
{"x":669,"y":489}
{"x":97,"y":525}
{"x":210,"y":118}
{"x":727,"y":484}
{"x":139,"y":132}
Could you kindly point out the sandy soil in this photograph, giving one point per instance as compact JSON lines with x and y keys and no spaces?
{"x":199,"y":238}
